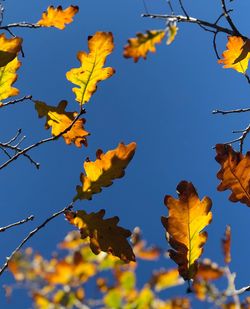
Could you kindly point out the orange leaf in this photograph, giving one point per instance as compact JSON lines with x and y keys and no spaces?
{"x":104,"y":234}
{"x":234,"y":173}
{"x":226,"y":245}
{"x":165,"y":279}
{"x":57,"y":17}
{"x":143,"y":43}
{"x":188,"y":216}
{"x":91,"y":70}
{"x":59,"y":120}
{"x":100,"y":173}
{"x":9,"y":49}
{"x":208,"y":270}
{"x":237,"y":54}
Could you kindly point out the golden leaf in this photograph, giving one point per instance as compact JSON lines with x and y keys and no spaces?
{"x":7,"y":77}
{"x":143,"y":43}
{"x":234,"y":173}
{"x":59,"y":120}
{"x":226,"y":245}
{"x":9,"y":49}
{"x":165,"y":279}
{"x":57,"y":17}
{"x":91,"y":70}
{"x":107,"y":167}
{"x":237,"y":54}
{"x":171,"y":32}
{"x":188,"y":216}
{"x":104,"y":234}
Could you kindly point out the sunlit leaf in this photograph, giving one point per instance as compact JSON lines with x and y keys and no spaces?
{"x":234,"y":173}
{"x":107,"y":167}
{"x":7,"y":77}
{"x":226,"y":245}
{"x":59,"y":120}
{"x":237,"y":54}
{"x":171,"y":32}
{"x":9,"y":49}
{"x":143,"y":43}
{"x":104,"y":234}
{"x":188,"y":216}
{"x":57,"y":17}
{"x":165,"y":279}
{"x":91,"y":70}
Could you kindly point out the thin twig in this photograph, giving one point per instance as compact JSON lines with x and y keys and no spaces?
{"x":20,"y":25}
{"x":170,"y":6}
{"x":231,"y":288}
{"x":215,"y":46}
{"x":183,"y":9}
{"x":31,"y":234}
{"x":5,"y":151}
{"x":19,"y":131}
{"x":30,"y":218}
{"x":241,"y":139}
{"x":27,"y":97}
{"x":228,"y":18}
{"x":232,"y":111}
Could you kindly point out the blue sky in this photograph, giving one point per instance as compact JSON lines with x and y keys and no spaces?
{"x":164,"y":104}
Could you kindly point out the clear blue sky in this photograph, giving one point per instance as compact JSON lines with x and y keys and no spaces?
{"x":163,"y":103}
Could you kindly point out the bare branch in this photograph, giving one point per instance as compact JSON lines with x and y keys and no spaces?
{"x":27,"y":97}
{"x":3,"y":229}
{"x":183,"y":9}
{"x":228,"y":18}
{"x":240,"y":110}
{"x":31,"y":234}
{"x":20,"y":25}
{"x":240,"y":139}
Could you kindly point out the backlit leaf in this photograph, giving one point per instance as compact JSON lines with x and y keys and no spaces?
{"x":234,"y":173}
{"x":171,"y":32}
{"x":208,"y":271}
{"x":9,"y":49}
{"x":188,"y":216}
{"x":7,"y":77}
{"x":59,"y":120}
{"x":237,"y":54}
{"x":143,"y":43}
{"x":57,"y":17}
{"x":165,"y":279}
{"x":107,"y":167}
{"x":104,"y":234}
{"x":91,"y":70}
{"x":226,"y":245}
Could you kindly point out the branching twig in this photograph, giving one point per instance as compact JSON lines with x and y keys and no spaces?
{"x":228,"y":18}
{"x":240,"y":139}
{"x":232,"y":111}
{"x":27,"y":97}
{"x":30,"y":218}
{"x":31,"y":234}
{"x":183,"y":9}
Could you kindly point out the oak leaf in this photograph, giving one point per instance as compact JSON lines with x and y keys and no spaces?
{"x":107,"y":167}
{"x":59,"y":120}
{"x":237,"y":54}
{"x":165,"y":279}
{"x":9,"y":49}
{"x":234,"y":173}
{"x":57,"y":17}
{"x":104,"y":234}
{"x":7,"y":77}
{"x":226,"y":245}
{"x":143,"y":43}
{"x":208,"y":271}
{"x":91,"y":70}
{"x":188,"y":216}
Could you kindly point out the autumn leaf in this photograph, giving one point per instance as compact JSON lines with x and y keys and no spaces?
{"x":104,"y":234}
{"x":171,"y":32}
{"x":165,"y":279}
{"x":7,"y":77}
{"x":143,"y":43}
{"x":226,"y":245}
{"x":188,"y":216}
{"x":208,"y":271}
{"x":9,"y":49}
{"x":237,"y":54}
{"x":59,"y":120}
{"x":107,"y":167}
{"x":91,"y":70}
{"x":57,"y":17}
{"x":234,"y":173}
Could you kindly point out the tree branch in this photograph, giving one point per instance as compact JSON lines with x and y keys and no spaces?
{"x":27,"y":97}
{"x":240,"y":139}
{"x":228,"y":18}
{"x":241,"y":110}
{"x":3,"y":229}
{"x":20,"y":25}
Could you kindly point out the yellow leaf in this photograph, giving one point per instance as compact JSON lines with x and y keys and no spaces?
{"x":7,"y":77}
{"x":234,"y":173}
{"x":100,"y":173}
{"x":188,"y":216}
{"x":171,"y":32}
{"x":165,"y":279}
{"x":59,"y":120}
{"x":143,"y":43}
{"x":104,"y":234}
{"x":9,"y":49}
{"x":57,"y":17}
{"x":91,"y":70}
{"x":237,"y":54}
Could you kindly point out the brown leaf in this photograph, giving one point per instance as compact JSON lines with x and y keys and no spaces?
{"x":234,"y":173}
{"x":226,"y":245}
{"x":207,"y":271}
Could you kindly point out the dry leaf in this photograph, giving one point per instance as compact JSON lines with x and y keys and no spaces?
{"x":9,"y":49}
{"x":91,"y":70}
{"x":188,"y":216}
{"x":107,"y":167}
{"x":143,"y":43}
{"x":226,"y":245}
{"x":57,"y":17}
{"x":208,"y":271}
{"x":104,"y":234}
{"x":234,"y":173}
